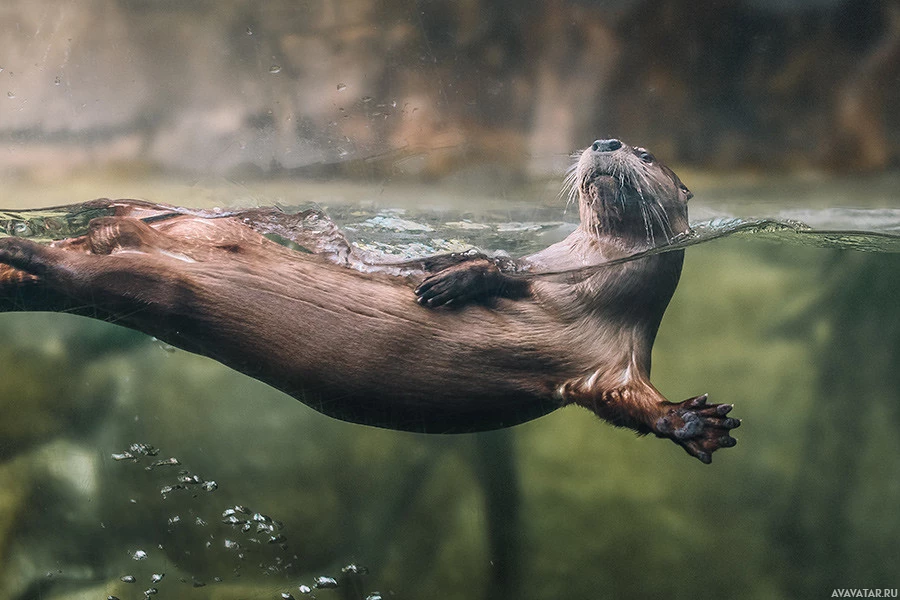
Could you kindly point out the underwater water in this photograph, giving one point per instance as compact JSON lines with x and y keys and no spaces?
{"x":132,"y":469}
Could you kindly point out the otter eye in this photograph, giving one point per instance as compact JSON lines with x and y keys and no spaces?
{"x":595,"y":146}
{"x":645,"y":156}
{"x":686,"y":191}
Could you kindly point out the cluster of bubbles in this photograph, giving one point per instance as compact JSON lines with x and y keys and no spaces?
{"x":251,"y":527}
{"x":248,"y":521}
{"x":185,"y":479}
{"x":151,"y":591}
{"x":328,"y":583}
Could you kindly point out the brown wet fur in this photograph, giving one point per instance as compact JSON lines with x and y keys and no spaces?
{"x":509,"y":346}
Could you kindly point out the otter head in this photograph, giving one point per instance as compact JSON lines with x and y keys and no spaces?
{"x":627,"y":196}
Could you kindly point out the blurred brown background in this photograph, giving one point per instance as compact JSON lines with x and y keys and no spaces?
{"x":245,"y":87}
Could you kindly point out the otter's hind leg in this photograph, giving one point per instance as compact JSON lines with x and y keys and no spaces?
{"x":696,"y":426}
{"x":114,"y":272}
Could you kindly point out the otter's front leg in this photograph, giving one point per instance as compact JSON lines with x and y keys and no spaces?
{"x":475,"y":280}
{"x":696,"y":426}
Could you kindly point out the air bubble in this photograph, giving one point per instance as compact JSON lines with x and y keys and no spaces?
{"x":142,"y":449}
{"x":165,"y":463}
{"x":188,"y":477}
{"x":354,"y":569}
{"x":275,"y":69}
{"x":21,"y":229}
{"x":325,"y":583}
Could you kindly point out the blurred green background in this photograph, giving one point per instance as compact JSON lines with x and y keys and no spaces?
{"x":462,"y":110}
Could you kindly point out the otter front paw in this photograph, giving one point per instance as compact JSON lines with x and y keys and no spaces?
{"x":465,"y":282}
{"x":698,"y":427}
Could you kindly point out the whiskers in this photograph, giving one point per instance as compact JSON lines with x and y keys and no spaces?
{"x":569,"y":190}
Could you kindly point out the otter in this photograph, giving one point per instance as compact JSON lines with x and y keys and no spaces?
{"x":450,"y":343}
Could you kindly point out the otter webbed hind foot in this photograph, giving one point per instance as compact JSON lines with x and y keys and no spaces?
{"x":475,"y":280}
{"x":698,"y":427}
{"x":24,"y":256}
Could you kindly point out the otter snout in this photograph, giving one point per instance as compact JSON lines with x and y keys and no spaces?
{"x":610,"y":145}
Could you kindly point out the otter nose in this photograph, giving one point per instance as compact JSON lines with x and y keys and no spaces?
{"x":606,"y":145}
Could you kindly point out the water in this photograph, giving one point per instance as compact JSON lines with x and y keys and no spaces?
{"x":396,"y":232}
{"x":783,"y":316}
